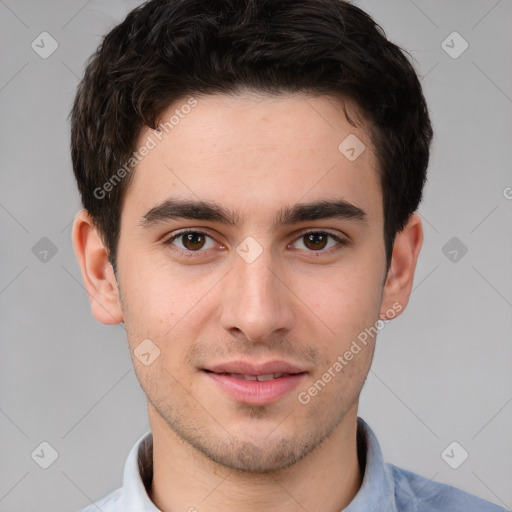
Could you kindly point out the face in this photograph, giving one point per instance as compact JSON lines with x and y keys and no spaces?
{"x":251,"y":256}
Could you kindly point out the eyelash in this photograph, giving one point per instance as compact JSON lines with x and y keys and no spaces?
{"x":191,"y":254}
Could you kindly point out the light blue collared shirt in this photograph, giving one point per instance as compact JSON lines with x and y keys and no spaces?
{"x":385,"y":487}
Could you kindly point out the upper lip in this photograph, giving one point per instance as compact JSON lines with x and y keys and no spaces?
{"x":248,"y":368}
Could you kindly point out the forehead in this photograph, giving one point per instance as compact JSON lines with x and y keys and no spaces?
{"x":253,"y":153}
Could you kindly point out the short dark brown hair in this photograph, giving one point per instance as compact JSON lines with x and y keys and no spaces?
{"x":168,"y":49}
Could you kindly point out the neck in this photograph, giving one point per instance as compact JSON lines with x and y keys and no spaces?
{"x":184,"y":479}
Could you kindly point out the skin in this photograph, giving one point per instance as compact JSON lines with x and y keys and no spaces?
{"x":252,"y":154}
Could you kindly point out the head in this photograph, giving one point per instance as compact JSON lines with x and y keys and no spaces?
{"x":292,"y":140}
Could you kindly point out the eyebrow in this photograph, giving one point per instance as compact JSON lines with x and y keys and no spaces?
{"x":175,"y":208}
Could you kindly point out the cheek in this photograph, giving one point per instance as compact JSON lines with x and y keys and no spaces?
{"x":157,"y":297}
{"x":344,"y":301}
{"x":168,"y":307}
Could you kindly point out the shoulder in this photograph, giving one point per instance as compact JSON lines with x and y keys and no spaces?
{"x":109,"y":503}
{"x":415,"y":492}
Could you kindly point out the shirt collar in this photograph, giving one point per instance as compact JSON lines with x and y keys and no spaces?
{"x":138,"y":473}
{"x":376,"y":492}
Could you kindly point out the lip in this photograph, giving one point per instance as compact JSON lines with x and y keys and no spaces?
{"x":254,"y":392}
{"x":249,"y":368}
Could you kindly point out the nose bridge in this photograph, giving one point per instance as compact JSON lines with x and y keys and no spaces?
{"x":257,"y":302}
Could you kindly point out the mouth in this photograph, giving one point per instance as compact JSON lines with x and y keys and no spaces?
{"x":255,"y":384}
{"x":259,"y":378}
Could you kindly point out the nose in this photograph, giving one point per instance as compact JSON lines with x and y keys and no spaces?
{"x":257,"y":300}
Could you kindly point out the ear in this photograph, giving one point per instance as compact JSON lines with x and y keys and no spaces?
{"x":400,"y":276}
{"x":97,"y":272}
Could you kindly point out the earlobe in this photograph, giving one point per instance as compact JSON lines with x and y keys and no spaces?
{"x":406,"y":250}
{"x":97,"y":273}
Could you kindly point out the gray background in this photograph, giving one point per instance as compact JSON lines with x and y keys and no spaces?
{"x":442,"y":371}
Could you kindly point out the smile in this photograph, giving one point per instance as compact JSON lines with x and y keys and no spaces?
{"x":249,"y":385}
{"x":260,"y":378}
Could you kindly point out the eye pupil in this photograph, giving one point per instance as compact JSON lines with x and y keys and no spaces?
{"x":317,"y":240}
{"x":193,"y":241}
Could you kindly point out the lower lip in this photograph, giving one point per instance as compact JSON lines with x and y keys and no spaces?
{"x":254,"y":392}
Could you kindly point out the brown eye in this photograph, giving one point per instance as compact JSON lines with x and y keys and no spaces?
{"x":316,"y":241}
{"x":191,"y":241}
{"x":319,"y":241}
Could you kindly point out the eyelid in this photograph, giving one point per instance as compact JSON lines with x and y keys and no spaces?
{"x":341,"y":240}
{"x":306,"y":231}
{"x":185,"y":231}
